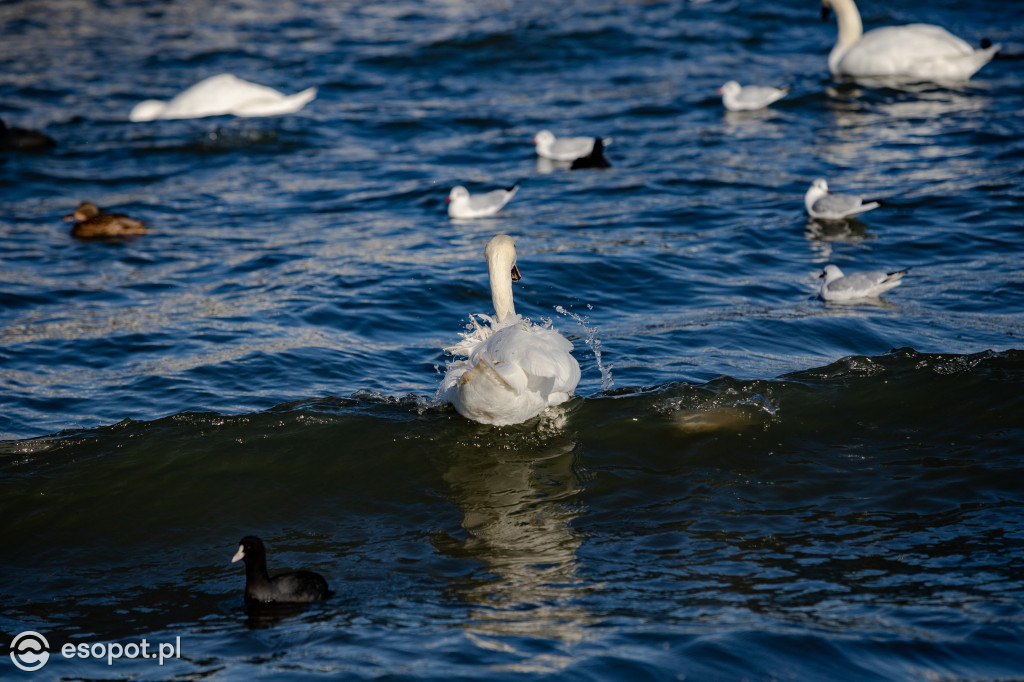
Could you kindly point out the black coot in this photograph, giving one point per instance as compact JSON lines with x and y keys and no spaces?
{"x":23,"y":140}
{"x":286,"y":588}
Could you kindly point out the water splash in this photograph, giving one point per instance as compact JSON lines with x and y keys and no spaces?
{"x":595,"y":344}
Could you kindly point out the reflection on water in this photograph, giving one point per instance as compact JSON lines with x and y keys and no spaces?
{"x":823,"y":234}
{"x":910,"y":127}
{"x":518,"y":508}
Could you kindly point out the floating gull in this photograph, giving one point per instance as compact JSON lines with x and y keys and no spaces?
{"x":461,"y":204}
{"x":738,"y":97}
{"x":564,"y":148}
{"x":223,"y":94}
{"x":836,"y":286}
{"x":824,"y":205}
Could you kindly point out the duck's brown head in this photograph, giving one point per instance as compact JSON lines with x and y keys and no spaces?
{"x":85,"y":210}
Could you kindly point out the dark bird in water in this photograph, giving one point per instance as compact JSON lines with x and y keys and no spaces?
{"x":22,"y":140}
{"x":295,"y":587}
{"x":92,"y":223}
{"x":595,"y":159}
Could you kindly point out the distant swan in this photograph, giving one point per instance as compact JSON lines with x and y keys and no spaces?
{"x":918,"y":51}
{"x":914,"y":51}
{"x":223,"y":94}
{"x":513,"y":369}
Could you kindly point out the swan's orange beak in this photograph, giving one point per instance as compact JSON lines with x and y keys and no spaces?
{"x":515,"y":273}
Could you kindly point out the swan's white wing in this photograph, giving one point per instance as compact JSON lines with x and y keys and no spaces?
{"x":512,"y":373}
{"x":275,"y":106}
{"x":916,"y":50}
{"x":228,"y":94}
{"x":543,"y":355}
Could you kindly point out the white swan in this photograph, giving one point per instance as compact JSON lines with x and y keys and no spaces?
{"x":513,"y":369}
{"x":836,"y":286}
{"x":461,"y":204}
{"x":223,"y":94}
{"x":822,"y":204}
{"x":915,"y":51}
{"x":738,"y":97}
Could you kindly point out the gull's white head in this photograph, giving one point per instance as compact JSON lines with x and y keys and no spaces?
{"x":544,"y":138}
{"x":817,"y":190}
{"x":458,"y":192}
{"x":730,"y":88}
{"x":831,"y":273}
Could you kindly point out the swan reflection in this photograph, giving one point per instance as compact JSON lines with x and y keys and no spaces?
{"x":518,"y":507}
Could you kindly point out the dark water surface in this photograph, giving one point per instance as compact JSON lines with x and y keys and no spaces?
{"x":752,"y":484}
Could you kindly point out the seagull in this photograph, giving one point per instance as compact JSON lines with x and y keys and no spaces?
{"x":461,"y":204}
{"x":564,"y":148}
{"x":738,"y":97}
{"x":836,"y":286}
{"x":824,"y":205}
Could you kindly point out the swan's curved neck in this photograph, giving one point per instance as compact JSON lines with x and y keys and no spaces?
{"x":501,"y":292}
{"x":850,"y":30}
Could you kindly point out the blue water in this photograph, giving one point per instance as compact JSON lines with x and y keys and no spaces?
{"x":751,"y":483}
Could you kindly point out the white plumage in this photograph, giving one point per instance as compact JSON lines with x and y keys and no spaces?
{"x":916,"y":52}
{"x":738,"y":97}
{"x":824,"y":205}
{"x":223,"y":94}
{"x":836,"y":286}
{"x":564,"y":148}
{"x":462,"y":204}
{"x":512,"y":369}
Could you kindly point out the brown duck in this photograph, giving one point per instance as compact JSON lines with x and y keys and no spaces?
{"x":92,"y":223}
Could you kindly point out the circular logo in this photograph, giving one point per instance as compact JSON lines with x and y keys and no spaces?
{"x":29,"y":651}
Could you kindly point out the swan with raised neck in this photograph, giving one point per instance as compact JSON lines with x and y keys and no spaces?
{"x":915,"y":52}
{"x":851,"y":28}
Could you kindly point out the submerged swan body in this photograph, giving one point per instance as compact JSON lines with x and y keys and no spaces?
{"x":921,"y":52}
{"x":223,"y":94}
{"x":512,"y":369}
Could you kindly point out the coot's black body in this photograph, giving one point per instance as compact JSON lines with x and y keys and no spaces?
{"x":295,"y":587}
{"x":23,"y":140}
{"x":595,"y":159}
